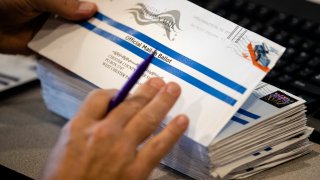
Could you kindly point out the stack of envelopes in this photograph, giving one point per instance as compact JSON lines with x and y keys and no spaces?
{"x":269,"y":129}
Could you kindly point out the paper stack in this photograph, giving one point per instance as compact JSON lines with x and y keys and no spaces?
{"x":269,"y":129}
{"x":258,"y":137}
{"x":238,"y":127}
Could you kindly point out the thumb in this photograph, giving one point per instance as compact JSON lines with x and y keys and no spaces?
{"x":68,"y":9}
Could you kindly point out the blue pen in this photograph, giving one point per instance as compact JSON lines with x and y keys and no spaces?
{"x":124,"y":91}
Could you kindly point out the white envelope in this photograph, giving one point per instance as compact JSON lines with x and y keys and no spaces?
{"x":216,"y":62}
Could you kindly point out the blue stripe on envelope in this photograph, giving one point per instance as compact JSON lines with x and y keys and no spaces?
{"x":248,"y":114}
{"x":177,"y":56}
{"x":245,"y":113}
{"x":239,"y":120}
{"x":176,"y":72}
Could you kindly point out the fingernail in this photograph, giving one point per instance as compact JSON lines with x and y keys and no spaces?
{"x":86,"y":7}
{"x":156,"y":83}
{"x":182,"y":121}
{"x":173,"y":89}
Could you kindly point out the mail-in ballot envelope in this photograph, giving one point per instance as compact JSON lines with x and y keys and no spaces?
{"x":216,"y":62}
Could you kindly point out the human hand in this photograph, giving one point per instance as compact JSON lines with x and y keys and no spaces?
{"x":98,"y":146}
{"x":21,"y":19}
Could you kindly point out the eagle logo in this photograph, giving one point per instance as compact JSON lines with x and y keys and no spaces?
{"x":168,"y":20}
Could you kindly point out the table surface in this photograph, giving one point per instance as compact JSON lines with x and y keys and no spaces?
{"x":28,"y":131}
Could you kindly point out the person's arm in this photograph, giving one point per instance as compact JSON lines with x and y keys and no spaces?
{"x":21,"y":19}
{"x":98,"y":146}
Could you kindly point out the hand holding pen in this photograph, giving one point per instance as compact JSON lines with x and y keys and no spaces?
{"x":105,"y":146}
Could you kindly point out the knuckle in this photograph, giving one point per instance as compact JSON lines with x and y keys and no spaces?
{"x":148,"y":90}
{"x":157,"y":144}
{"x":133,"y":105}
{"x":166,"y":99}
{"x":151,"y":121}
{"x":137,"y":102}
{"x":105,"y":133}
{"x":173,"y":132}
{"x":124,"y":149}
